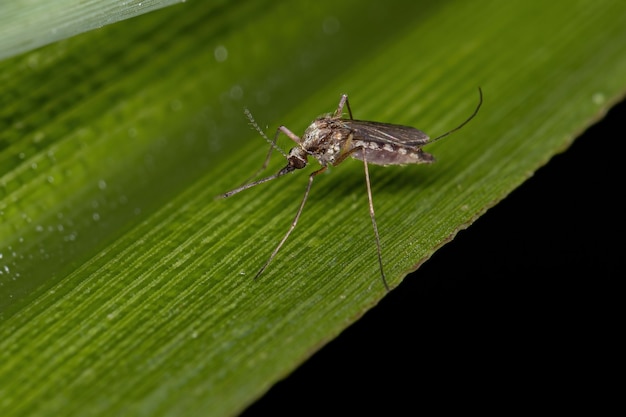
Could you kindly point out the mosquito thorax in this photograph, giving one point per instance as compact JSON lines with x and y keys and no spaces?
{"x":316,"y":133}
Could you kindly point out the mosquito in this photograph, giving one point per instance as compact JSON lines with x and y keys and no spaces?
{"x":331,"y":139}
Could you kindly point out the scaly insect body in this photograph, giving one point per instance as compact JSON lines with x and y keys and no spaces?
{"x":331,"y":139}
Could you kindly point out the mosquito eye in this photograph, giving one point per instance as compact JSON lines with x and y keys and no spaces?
{"x":296,"y":162}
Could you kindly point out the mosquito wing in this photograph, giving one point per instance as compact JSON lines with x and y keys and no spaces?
{"x":387,"y":144}
{"x":385,"y":133}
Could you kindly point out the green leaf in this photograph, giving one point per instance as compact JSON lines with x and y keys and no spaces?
{"x":127,"y":289}
{"x":27,"y":25}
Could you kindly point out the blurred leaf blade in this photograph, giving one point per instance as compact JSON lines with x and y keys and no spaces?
{"x":116,"y":253}
{"x":27,"y":25}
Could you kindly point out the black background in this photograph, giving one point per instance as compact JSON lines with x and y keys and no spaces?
{"x":518,"y":312}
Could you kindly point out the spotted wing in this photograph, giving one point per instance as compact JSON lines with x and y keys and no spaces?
{"x":385,"y":133}
{"x":387,"y":144}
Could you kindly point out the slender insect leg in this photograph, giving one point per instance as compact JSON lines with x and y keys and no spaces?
{"x":343,"y":102}
{"x":289,"y":133}
{"x":272,"y":143}
{"x":371,"y":206}
{"x":371,"y":203}
{"x":295,"y":221}
{"x":258,"y":171}
{"x":281,"y":129}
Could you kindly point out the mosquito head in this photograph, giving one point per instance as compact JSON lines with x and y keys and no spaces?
{"x":297,"y":158}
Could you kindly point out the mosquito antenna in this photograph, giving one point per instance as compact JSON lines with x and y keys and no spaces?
{"x":255,"y":125}
{"x":480,"y":103}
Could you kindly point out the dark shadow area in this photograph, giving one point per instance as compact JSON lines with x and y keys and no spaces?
{"x":519,"y":310}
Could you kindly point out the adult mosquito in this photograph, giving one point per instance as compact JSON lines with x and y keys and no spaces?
{"x":331,"y":139}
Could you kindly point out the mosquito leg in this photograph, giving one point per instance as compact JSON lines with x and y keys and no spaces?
{"x":281,"y":129}
{"x":258,"y":171}
{"x":269,"y":153}
{"x":343,"y":102}
{"x":289,"y":133}
{"x":294,"y":223}
{"x":371,"y":204}
{"x":272,"y":143}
